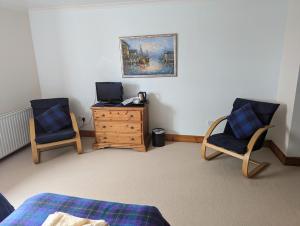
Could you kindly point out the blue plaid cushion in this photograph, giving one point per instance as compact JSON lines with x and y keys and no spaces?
{"x":5,"y":208}
{"x":244,"y":122}
{"x":53,"y":119}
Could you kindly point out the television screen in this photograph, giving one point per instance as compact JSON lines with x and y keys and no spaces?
{"x":111,"y":92}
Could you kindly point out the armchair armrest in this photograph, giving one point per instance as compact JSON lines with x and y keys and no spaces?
{"x":32,"y":129}
{"x":74,"y":122}
{"x":76,"y":129}
{"x":213,"y":126}
{"x":256,"y":135}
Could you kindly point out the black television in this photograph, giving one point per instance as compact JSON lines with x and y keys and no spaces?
{"x":109,"y":92}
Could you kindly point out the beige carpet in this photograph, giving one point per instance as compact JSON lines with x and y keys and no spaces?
{"x":188,"y":191}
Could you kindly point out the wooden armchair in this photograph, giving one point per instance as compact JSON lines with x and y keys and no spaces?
{"x":41,"y":140}
{"x":226,"y":143}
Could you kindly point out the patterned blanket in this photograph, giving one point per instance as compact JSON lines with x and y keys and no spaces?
{"x":35,"y":210}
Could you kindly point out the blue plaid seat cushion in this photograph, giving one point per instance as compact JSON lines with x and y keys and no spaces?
{"x":229,"y":142}
{"x":5,"y":208}
{"x":244,"y":122}
{"x":63,"y":134}
{"x":53,"y":119}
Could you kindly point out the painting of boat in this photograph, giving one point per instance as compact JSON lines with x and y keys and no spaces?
{"x":149,"y":56}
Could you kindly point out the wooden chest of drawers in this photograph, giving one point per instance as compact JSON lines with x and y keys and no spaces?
{"x":121,"y":127}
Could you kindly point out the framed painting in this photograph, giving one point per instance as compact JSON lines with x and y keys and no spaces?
{"x":149,"y":56}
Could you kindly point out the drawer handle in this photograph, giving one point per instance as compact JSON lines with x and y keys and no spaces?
{"x":103,"y":126}
{"x":132,"y":138}
{"x":131,"y":127}
{"x":104,"y":138}
{"x":131,"y":116}
{"x":103,"y":115}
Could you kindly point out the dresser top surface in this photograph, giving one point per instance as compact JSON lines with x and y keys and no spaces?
{"x":125,"y":108}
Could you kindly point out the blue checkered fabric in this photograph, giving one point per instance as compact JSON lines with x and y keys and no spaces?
{"x":35,"y":210}
{"x":244,"y":122}
{"x":53,"y":119}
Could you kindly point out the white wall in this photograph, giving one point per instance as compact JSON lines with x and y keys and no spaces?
{"x":226,"y":49}
{"x":294,"y":139}
{"x":18,"y":76}
{"x":287,"y":85}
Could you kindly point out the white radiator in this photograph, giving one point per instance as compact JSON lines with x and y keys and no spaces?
{"x":14,"y":131}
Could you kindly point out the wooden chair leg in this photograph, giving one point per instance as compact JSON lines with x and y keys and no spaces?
{"x":79,"y":145}
{"x":259,"y":167}
{"x":211,"y":156}
{"x":203,"y":150}
{"x":35,"y":153}
{"x":34,"y":149}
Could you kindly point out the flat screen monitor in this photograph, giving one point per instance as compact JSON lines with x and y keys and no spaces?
{"x":109,"y":92}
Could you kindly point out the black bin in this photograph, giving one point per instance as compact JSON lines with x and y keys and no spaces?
{"x":158,"y":137}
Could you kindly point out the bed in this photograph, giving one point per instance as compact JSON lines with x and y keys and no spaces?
{"x":35,"y":210}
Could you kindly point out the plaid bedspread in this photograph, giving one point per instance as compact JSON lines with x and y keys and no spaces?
{"x":35,"y":210}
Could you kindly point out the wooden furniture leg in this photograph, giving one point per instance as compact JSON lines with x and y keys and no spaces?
{"x":79,"y":146}
{"x":211,"y":156}
{"x":34,"y":149}
{"x":208,"y":133}
{"x":260,"y":166}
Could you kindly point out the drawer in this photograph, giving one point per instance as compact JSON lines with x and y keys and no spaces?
{"x":113,"y":115}
{"x":119,"y":138}
{"x":120,"y":127}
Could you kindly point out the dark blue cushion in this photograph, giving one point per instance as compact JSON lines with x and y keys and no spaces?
{"x":244,"y":122}
{"x":264,"y":112}
{"x":64,"y":134}
{"x":39,"y":106}
{"x":229,"y":142}
{"x":5,"y":208}
{"x":54,"y":119}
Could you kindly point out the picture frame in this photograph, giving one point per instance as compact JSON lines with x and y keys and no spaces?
{"x":149,"y":56}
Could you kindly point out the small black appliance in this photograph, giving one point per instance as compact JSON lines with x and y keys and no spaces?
{"x":142,"y":96}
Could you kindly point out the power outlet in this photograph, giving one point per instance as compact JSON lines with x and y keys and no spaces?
{"x":83,"y":119}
